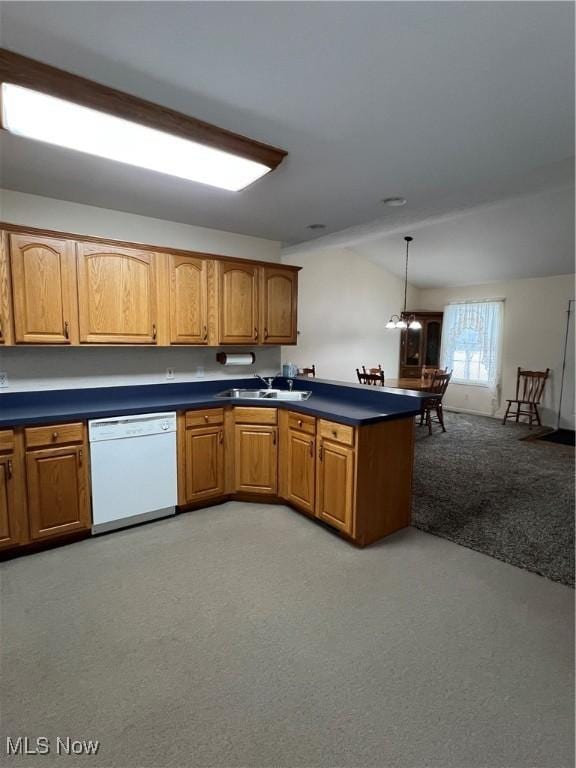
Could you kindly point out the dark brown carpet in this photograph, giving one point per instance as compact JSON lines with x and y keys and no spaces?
{"x":481,"y":485}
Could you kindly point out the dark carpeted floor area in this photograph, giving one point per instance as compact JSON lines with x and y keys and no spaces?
{"x":484,"y":487}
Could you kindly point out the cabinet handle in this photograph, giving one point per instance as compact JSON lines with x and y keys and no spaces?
{"x":80,"y":456}
{"x":154,"y":332}
{"x":320,"y":453}
{"x":1,"y":330}
{"x":274,"y":437}
{"x":335,"y":433}
{"x":255,"y":334}
{"x":311,"y":449}
{"x":66,"y":330}
{"x":205,"y":417}
{"x":299,"y":422}
{"x":9,"y":469}
{"x":54,"y":435}
{"x":265,"y":333}
{"x":221,"y":436}
{"x":205,"y":333}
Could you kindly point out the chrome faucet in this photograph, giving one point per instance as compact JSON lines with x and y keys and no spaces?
{"x":269,"y":380}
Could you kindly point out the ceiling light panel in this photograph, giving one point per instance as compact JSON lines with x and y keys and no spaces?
{"x":37,"y":116}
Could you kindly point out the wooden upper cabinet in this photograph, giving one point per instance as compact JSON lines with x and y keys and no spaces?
{"x":117,"y":294}
{"x":238,"y":303}
{"x":188,"y":287}
{"x":6,"y":335}
{"x":44,"y":290}
{"x":279,"y":305}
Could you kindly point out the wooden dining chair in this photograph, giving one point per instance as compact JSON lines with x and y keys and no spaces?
{"x":372,"y":376}
{"x":310,"y":372}
{"x":438,"y":385}
{"x":529,"y":390}
{"x":428,"y":373}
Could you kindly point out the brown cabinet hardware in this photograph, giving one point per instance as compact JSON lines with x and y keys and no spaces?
{"x":54,"y":435}
{"x":221,"y":436}
{"x":66,"y":330}
{"x":154,"y":334}
{"x":320,"y":453}
{"x":205,"y":333}
{"x":312,"y":448}
{"x":9,"y":469}
{"x":256,"y":334}
{"x":265,"y":333}
{"x":80,"y":456}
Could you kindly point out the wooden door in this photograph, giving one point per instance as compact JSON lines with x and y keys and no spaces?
{"x":188,"y":300}
{"x":57,"y":491}
{"x":256,"y":458}
{"x":301,"y":469}
{"x":238,"y":302}
{"x":13,"y":523}
{"x":44,"y":290}
{"x":117,"y":293}
{"x":204,"y":456}
{"x":279,"y":305}
{"x":335,"y":493}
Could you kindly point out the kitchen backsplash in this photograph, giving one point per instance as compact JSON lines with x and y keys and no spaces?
{"x":37,"y":368}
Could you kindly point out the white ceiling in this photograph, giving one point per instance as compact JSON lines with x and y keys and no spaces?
{"x":448,"y":104}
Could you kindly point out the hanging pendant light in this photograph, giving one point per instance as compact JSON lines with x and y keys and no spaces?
{"x":403,"y":321}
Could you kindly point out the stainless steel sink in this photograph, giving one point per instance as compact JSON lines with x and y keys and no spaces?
{"x":263,"y":394}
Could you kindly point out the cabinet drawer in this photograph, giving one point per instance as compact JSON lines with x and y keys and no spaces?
{"x":56,"y":434}
{"x":6,"y":440}
{"x":340,"y":433}
{"x":255,"y":415}
{"x":204,"y":417}
{"x":301,"y":422}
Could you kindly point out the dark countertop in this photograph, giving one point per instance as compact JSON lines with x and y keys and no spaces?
{"x":351,"y":404}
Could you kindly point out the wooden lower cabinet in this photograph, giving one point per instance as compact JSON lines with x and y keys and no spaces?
{"x":335,"y":488}
{"x":13,"y":519}
{"x":256,"y":458}
{"x":300,"y":469}
{"x":58,"y":486}
{"x":204,"y":457}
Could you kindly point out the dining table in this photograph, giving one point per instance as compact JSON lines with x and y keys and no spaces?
{"x":417,"y":384}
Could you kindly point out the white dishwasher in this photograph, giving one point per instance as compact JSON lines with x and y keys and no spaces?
{"x":133,"y":469}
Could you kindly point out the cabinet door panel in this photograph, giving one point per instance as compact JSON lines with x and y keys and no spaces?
{"x":188,"y":300}
{"x":6,"y":335}
{"x":204,"y":463}
{"x":57,"y":496}
{"x":117,"y":295}
{"x":13,"y":525}
{"x":238,"y":301}
{"x":335,"y":485}
{"x":44,"y":290}
{"x":279,"y":306}
{"x":256,"y":459}
{"x":301,"y":469}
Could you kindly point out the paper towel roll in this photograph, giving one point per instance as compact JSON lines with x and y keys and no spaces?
{"x":226,"y":358}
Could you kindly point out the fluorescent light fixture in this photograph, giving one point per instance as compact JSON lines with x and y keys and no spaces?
{"x":35,"y":115}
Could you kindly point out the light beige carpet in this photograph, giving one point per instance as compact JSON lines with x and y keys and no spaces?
{"x":246,"y":635}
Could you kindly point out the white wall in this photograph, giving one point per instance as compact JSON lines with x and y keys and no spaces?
{"x":344,"y":304}
{"x":35,"y":211}
{"x":533,"y":337}
{"x":31,"y":368}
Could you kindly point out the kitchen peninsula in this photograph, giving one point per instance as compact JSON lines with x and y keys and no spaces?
{"x":343,"y":457}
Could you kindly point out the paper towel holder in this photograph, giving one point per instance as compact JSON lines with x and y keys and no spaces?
{"x":243,"y":358}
